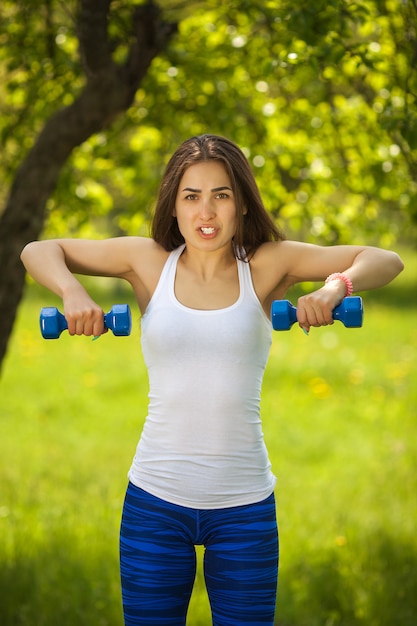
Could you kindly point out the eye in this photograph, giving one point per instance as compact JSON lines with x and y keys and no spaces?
{"x":222,"y":195}
{"x":191,"y":196}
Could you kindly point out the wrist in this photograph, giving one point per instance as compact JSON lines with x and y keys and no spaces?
{"x":341,"y":278}
{"x":71,"y":288}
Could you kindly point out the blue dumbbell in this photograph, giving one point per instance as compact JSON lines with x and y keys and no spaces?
{"x":349,"y":312}
{"x":118,"y":320}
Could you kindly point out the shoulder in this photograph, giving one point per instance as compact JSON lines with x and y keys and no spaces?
{"x":284,"y":251}
{"x":145,"y":245}
{"x":145,"y":261}
{"x":145,"y":256}
{"x":270,"y":268}
{"x":276,"y":266}
{"x":277,"y":258}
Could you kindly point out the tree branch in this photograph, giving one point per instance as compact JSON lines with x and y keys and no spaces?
{"x":109,"y":91}
{"x":93,"y":36}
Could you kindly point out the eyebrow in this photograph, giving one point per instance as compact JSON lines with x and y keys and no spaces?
{"x":213,"y":190}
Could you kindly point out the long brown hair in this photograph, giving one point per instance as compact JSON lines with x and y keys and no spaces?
{"x":254,"y":224}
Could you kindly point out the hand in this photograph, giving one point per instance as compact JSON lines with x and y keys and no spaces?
{"x":83,"y":315}
{"x":316,"y":308}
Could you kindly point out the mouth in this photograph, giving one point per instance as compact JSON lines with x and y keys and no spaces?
{"x":207,"y":230}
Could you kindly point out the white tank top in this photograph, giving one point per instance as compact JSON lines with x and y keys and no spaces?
{"x":202,"y":444}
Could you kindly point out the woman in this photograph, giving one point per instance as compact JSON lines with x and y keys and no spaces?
{"x":204,"y":283}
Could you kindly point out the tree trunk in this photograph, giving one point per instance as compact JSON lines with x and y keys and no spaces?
{"x":109,"y":91}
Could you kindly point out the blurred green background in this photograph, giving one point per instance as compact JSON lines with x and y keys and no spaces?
{"x":322,"y":99}
{"x":339,"y":412}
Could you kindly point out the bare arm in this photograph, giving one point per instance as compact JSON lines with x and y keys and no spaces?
{"x":53,"y":264}
{"x":282,"y":265}
{"x":369,"y":268}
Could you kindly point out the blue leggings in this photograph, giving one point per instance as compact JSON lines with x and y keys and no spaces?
{"x":158,"y":561}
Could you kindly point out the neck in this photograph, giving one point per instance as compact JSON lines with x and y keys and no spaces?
{"x":208,"y":264}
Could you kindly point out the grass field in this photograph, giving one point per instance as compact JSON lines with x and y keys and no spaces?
{"x":340,"y":421}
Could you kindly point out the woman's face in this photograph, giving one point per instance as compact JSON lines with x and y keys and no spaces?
{"x":205,"y":206}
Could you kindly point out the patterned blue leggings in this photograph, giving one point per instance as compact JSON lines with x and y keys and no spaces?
{"x":158,"y":561}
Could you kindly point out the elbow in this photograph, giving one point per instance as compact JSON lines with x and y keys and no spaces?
{"x":26,"y":251}
{"x":393,"y":265}
{"x":30,"y":252}
{"x":397,"y":263}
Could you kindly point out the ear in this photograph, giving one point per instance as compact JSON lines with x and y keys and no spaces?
{"x":174,"y":212}
{"x":245,"y":210}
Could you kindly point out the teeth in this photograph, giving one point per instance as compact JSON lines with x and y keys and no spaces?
{"x":207,"y":231}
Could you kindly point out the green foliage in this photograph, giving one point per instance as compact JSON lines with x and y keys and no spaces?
{"x":39,"y":70}
{"x":339,"y":412}
{"x":321,"y":96}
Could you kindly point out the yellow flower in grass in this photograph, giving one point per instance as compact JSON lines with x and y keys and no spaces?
{"x":320,"y":388}
{"x":340,"y":541}
{"x":356,"y":376}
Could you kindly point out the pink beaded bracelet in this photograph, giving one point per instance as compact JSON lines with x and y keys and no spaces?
{"x":346,"y":280}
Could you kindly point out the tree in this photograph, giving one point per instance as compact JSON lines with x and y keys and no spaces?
{"x":321,"y":96}
{"x":109,"y":89}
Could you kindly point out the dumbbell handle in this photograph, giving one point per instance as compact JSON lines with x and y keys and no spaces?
{"x":349,"y":312}
{"x":118,"y":320}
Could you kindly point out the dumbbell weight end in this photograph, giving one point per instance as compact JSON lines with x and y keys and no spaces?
{"x":349,"y":312}
{"x":118,"y":320}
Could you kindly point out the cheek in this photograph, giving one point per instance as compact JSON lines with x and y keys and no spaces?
{"x":182,"y":220}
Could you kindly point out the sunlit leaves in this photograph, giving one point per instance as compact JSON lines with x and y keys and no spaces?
{"x":321,"y":96}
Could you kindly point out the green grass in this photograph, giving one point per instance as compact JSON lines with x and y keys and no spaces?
{"x":339,"y":410}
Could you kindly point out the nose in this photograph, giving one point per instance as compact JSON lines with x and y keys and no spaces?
{"x":207,"y":209}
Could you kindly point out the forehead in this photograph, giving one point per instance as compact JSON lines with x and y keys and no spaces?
{"x":205,"y":172}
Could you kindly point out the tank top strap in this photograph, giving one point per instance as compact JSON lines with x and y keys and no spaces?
{"x":165,"y":286}
{"x":245,"y":279}
{"x":166,"y":279}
